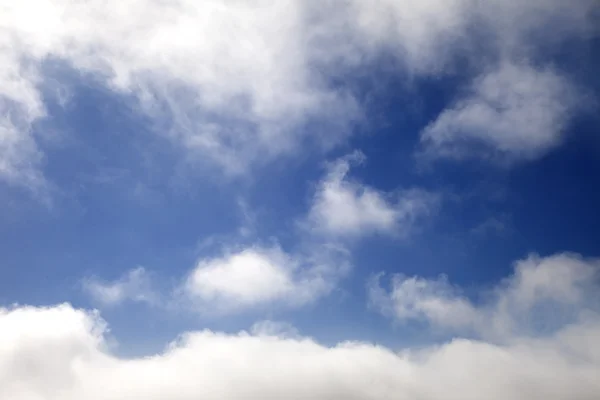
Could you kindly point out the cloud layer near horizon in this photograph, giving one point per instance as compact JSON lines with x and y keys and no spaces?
{"x":61,"y":353}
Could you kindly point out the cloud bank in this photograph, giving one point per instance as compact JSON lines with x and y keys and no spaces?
{"x":61,"y":353}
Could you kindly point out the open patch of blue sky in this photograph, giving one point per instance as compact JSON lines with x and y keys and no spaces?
{"x":374,"y":192}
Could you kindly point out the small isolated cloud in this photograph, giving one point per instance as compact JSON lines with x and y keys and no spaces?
{"x":134,"y":286}
{"x":496,"y":225}
{"x":60,"y":353}
{"x":514,"y":112}
{"x":346,"y":208}
{"x":259,"y":277}
{"x":543,"y":293}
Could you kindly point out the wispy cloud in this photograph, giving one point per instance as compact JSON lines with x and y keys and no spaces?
{"x":274,"y":329}
{"x":512,"y":113}
{"x":228,"y":81}
{"x":234,"y":83}
{"x":543,"y":294}
{"x":135,"y":285}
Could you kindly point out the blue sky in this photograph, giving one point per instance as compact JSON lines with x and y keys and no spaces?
{"x":398,"y":174}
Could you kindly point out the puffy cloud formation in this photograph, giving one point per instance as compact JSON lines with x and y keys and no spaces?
{"x":346,"y":208}
{"x":135,"y":285}
{"x":235,"y":81}
{"x":259,"y":277}
{"x":541,"y":296}
{"x":515,"y":112}
{"x":61,"y":353}
{"x":254,"y":277}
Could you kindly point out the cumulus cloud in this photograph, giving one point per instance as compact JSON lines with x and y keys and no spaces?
{"x":135,"y":286}
{"x":258,"y":277}
{"x":515,"y":112}
{"x":239,"y":280}
{"x":346,"y":208}
{"x":61,"y":353}
{"x":542,"y":295}
{"x":236,"y":81}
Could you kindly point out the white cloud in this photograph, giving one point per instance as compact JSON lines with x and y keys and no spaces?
{"x":245,"y":279}
{"x":515,"y":112}
{"x":231,"y":80}
{"x":422,"y":34}
{"x":60,"y":353}
{"x":274,"y":328}
{"x":259,"y":277}
{"x":235,"y":81}
{"x":425,"y":36}
{"x":135,"y":286}
{"x":19,"y":105}
{"x":347,"y":208}
{"x":541,"y":295}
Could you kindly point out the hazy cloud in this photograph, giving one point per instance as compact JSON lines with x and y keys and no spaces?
{"x":135,"y":285}
{"x":515,"y":112}
{"x":542,"y":295}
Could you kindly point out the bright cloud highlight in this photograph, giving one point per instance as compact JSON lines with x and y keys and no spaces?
{"x":260,"y":277}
